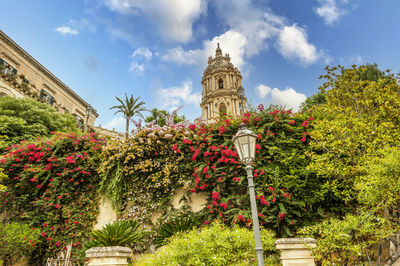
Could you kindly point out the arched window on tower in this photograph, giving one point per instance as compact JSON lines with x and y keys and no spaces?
{"x":220,"y":84}
{"x":222,"y":109}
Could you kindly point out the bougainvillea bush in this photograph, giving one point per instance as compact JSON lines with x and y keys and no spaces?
{"x":51,"y":186}
{"x":143,"y":174}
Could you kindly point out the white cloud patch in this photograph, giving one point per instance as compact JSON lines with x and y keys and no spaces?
{"x":231,"y":42}
{"x":330,"y":10}
{"x":142,"y":52}
{"x":175,"y":18}
{"x":171,"y":98}
{"x":292,"y":44}
{"x":65,"y":30}
{"x":136,"y":68}
{"x":250,"y":31}
{"x":289,"y":97}
{"x":117,"y":123}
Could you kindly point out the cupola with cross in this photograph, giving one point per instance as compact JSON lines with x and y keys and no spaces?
{"x":222,"y":88}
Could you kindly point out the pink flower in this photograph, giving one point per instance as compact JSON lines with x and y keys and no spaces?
{"x":33,"y":179}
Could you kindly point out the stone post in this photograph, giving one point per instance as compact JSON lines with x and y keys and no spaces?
{"x":110,"y":256}
{"x":296,"y":251}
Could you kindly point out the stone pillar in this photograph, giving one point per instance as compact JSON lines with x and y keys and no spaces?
{"x":110,"y":256}
{"x":296,"y":251}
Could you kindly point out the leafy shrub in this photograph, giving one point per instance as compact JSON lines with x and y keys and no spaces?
{"x":123,"y":233}
{"x":170,"y":228}
{"x":347,"y":241}
{"x":213,"y":245}
{"x":16,"y":240}
{"x":25,"y":119}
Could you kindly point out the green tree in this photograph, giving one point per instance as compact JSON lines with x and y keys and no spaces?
{"x":129,"y":107}
{"x":360,"y":117}
{"x":158,"y":116}
{"x":312,"y":101}
{"x":25,"y":119}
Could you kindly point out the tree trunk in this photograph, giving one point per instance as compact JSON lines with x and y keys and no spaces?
{"x":127,"y":128}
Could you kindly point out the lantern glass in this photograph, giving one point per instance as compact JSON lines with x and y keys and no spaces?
{"x":245,"y":143}
{"x":89,"y":110}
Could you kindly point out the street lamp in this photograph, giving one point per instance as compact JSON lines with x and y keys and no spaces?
{"x":245,"y":143}
{"x":240,"y":92}
{"x":89,"y":110}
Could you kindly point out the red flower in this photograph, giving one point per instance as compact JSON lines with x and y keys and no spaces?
{"x":291,"y":122}
{"x":281,"y":216}
{"x":192,"y":127}
{"x":206,"y":222}
{"x":270,"y":188}
{"x":258,"y":146}
{"x":303,"y":139}
{"x":43,"y":234}
{"x":241,"y":218}
{"x":33,"y":179}
{"x":215,"y":195}
{"x":70,"y":159}
{"x":305,"y":124}
{"x":247,"y":115}
{"x":45,"y":224}
{"x":261,"y":107}
{"x":58,"y":244}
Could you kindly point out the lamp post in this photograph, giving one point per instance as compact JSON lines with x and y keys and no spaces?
{"x":240,"y":92}
{"x":89,"y":110}
{"x":245,"y":143}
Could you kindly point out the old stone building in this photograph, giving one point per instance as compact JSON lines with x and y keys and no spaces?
{"x":223,"y":92}
{"x":22,"y":76}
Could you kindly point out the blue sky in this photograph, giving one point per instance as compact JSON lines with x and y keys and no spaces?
{"x":158,"y":49}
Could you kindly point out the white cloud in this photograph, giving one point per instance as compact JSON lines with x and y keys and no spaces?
{"x":231,"y":42}
{"x":289,"y":97}
{"x":136,"y":68}
{"x":263,"y":90}
{"x":330,"y":11}
{"x":65,"y":30}
{"x":117,"y":123}
{"x":142,"y":52}
{"x":292,"y":44}
{"x":171,"y":98}
{"x":175,"y":18}
{"x":250,"y":31}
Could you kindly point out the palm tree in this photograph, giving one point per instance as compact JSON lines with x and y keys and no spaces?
{"x":129,"y":107}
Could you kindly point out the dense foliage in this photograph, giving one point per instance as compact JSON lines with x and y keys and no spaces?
{"x":360,"y":117}
{"x":214,"y":245}
{"x":25,"y":119}
{"x":17,"y":240}
{"x":51,"y":186}
{"x":349,"y":241}
{"x":146,"y":171}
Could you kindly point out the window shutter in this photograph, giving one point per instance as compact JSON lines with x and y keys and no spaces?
{"x":14,"y":71}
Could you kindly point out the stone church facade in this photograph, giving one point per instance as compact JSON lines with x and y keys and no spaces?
{"x":23,"y":76}
{"x":223,"y":92}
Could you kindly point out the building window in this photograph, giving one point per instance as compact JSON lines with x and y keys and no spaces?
{"x":79,"y":120}
{"x":220,"y":84}
{"x":46,"y":97}
{"x":6,"y":68}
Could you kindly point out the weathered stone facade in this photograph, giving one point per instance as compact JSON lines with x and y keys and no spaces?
{"x":221,"y":81}
{"x":22,"y":76}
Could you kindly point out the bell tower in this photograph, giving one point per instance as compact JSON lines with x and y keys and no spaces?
{"x":222,"y":88}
